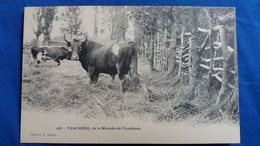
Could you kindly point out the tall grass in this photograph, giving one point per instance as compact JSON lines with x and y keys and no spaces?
{"x":158,"y":98}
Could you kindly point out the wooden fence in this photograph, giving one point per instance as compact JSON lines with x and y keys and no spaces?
{"x":219,"y":64}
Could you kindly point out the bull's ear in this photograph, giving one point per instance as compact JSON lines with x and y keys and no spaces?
{"x":86,"y":39}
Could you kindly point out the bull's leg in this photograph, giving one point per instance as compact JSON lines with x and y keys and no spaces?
{"x":39,"y":63}
{"x":91,"y":73}
{"x":96,"y":77}
{"x":113,"y":77}
{"x":58,"y":61}
{"x":91,"y":76}
{"x":123,"y":83}
{"x":118,"y":68}
{"x":130,"y":73}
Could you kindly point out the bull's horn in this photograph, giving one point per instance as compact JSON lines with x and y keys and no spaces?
{"x":86,"y":39}
{"x":65,"y":39}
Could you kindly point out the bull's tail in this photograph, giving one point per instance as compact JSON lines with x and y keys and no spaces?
{"x":133,"y":62}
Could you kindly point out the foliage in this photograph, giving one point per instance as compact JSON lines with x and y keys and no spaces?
{"x":119,"y":23}
{"x":72,"y":21}
{"x":44,"y":17}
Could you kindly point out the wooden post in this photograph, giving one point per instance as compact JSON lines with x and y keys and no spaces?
{"x":145,"y":49}
{"x":180,"y":50}
{"x":189,"y":66}
{"x":152,"y":51}
{"x":165,"y":49}
{"x":212,"y":52}
{"x":158,"y":50}
{"x":224,"y":84}
{"x":182,"y":35}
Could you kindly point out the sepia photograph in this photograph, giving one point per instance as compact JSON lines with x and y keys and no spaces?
{"x":129,"y":74}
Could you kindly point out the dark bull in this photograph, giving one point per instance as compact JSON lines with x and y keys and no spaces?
{"x":97,"y":58}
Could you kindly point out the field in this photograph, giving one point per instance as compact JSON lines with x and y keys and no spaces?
{"x":158,"y":98}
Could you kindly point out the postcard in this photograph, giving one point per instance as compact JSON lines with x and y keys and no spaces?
{"x":129,"y":74}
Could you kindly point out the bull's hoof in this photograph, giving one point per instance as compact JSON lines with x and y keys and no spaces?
{"x":123,"y":90}
{"x":93,"y":82}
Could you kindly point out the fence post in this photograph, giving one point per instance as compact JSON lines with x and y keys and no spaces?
{"x":225,"y":69}
{"x":166,"y":50}
{"x":189,"y":64}
{"x":180,"y":50}
{"x":212,"y":52}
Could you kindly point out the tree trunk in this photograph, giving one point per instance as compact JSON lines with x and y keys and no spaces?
{"x":194,"y":50}
{"x":112,"y":22}
{"x":152,"y":52}
{"x":158,"y":50}
{"x":194,"y":61}
{"x":180,"y":50}
{"x":189,"y":66}
{"x":95,"y":27}
{"x":224,"y":85}
{"x":120,"y":24}
{"x":211,"y":54}
{"x":212,"y":50}
{"x":46,"y":39}
{"x":165,"y":50}
{"x":172,"y":50}
{"x":135,"y":67}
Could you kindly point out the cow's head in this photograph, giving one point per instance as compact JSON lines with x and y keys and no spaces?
{"x":76,"y":46}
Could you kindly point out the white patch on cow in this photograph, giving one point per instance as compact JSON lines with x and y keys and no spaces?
{"x":44,"y":52}
{"x":39,"y":57}
{"x":115,"y":49}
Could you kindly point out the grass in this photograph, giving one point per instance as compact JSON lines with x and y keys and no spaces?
{"x":158,"y":98}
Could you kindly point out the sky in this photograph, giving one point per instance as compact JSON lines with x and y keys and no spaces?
{"x":88,"y":21}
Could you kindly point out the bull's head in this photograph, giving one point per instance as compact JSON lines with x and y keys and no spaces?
{"x":75,"y":46}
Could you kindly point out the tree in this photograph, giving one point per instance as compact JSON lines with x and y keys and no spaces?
{"x":103,"y":23}
{"x":146,"y":20}
{"x":72,"y":21}
{"x":38,"y":17}
{"x":48,"y":17}
{"x":172,"y":50}
{"x":44,"y":18}
{"x":119,"y":23}
{"x":95,"y":26}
